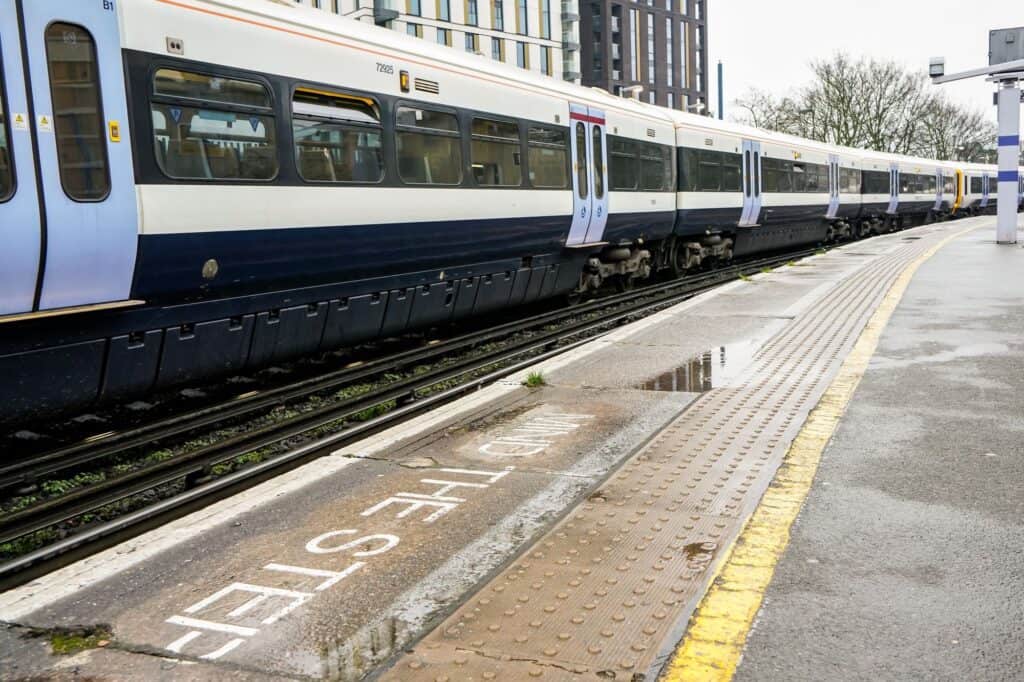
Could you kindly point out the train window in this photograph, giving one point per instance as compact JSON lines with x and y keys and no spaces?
{"x":6,"y":163}
{"x":800,"y":182}
{"x":875,"y":182}
{"x":597,"y":138}
{"x":732,"y":173}
{"x":213,"y":89}
{"x":549,"y":157}
{"x":975,"y":184}
{"x":849,"y":180}
{"x":704,"y":170}
{"x":429,"y":147}
{"x":622,"y":163}
{"x":77,"y":112}
{"x":993,"y":184}
{"x":211,"y":128}
{"x":495,"y":153}
{"x":581,"y":160}
{"x":948,"y":184}
{"x":337,"y":137}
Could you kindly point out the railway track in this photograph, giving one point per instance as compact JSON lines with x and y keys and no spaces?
{"x":64,"y":528}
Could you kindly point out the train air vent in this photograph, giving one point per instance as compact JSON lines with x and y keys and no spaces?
{"x":423,"y":85}
{"x":650,"y":132}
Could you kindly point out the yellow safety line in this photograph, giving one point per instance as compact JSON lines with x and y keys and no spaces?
{"x":718,"y":629}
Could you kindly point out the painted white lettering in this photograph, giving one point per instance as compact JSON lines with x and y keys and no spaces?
{"x":210,"y":625}
{"x":262,"y":594}
{"x":448,"y":486}
{"x":493,"y":476}
{"x":503,"y":449}
{"x":390,"y":541}
{"x":414,"y":504}
{"x":333,"y":577}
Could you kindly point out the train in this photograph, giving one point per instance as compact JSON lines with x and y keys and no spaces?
{"x":197,"y":188}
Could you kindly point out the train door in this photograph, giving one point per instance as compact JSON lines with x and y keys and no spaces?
{"x":590,"y":175}
{"x":961,"y":189}
{"x":751,"y":215}
{"x":940,"y":178}
{"x":984,"y":190}
{"x":84,"y":156}
{"x":894,"y":188}
{"x":833,"y":185}
{"x":20,"y":227}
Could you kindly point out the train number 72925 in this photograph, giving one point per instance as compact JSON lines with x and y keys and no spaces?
{"x":385,"y":68}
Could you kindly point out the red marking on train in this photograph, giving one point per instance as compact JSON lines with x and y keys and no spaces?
{"x":586,"y":119}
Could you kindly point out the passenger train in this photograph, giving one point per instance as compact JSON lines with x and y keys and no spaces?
{"x":191,"y":188}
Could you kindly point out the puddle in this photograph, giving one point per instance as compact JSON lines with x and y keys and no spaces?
{"x":710,"y":369}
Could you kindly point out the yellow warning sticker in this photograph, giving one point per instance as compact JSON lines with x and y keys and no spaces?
{"x":115,"y":131}
{"x":44,"y":123}
{"x":19,"y":121}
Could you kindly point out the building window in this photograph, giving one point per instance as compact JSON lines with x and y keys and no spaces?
{"x":650,"y":48}
{"x":522,"y":57}
{"x":545,"y":60}
{"x":651,"y":96}
{"x":682,"y":7}
{"x":634,"y":63}
{"x":414,"y":8}
{"x":472,"y":44}
{"x":522,"y":18}
{"x":668,"y":5}
{"x":497,"y":49}
{"x":684,"y":55}
{"x":444,"y":37}
{"x":669,"y":53}
{"x":698,"y":9}
{"x":414,"y":30}
{"x":472,"y":18}
{"x":444,"y":12}
{"x":498,"y":15}
{"x":545,"y":18}
{"x":670,"y":100}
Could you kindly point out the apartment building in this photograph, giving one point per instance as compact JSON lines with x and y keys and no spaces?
{"x":658,"y":48}
{"x":540,"y":35}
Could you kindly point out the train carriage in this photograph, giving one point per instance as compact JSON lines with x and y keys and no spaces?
{"x":190,"y":188}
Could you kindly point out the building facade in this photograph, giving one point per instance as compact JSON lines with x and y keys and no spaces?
{"x":657,"y":45}
{"x":539,"y":35}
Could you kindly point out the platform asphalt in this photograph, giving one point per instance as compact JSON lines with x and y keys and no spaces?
{"x":907,"y":562}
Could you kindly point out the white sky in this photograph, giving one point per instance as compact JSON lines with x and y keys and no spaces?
{"x":768,"y":43}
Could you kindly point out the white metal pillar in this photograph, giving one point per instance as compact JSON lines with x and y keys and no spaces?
{"x":1009,"y":148}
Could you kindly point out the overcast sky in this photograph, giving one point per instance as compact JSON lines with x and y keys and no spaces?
{"x":768,"y":43}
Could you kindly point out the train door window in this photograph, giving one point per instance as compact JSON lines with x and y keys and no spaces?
{"x":6,"y":162}
{"x":429,"y":147}
{"x":77,"y":112}
{"x":581,"y":159}
{"x":337,"y":137}
{"x":993,"y":184}
{"x":598,"y":150}
{"x":975,"y":184}
{"x":549,"y":157}
{"x":622,"y":163}
{"x":495,"y":153}
{"x":212,"y":128}
{"x":948,"y":184}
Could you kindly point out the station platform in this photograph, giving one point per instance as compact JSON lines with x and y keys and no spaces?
{"x":631,"y":518}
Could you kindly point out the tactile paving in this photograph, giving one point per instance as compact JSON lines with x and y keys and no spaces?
{"x":607,"y":592}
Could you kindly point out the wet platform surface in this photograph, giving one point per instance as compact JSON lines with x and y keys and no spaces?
{"x":606,"y":495}
{"x":906,"y":562}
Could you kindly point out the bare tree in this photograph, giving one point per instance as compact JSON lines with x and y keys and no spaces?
{"x":875,"y":105}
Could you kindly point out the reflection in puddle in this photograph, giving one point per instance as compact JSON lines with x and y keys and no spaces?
{"x":706,"y":371}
